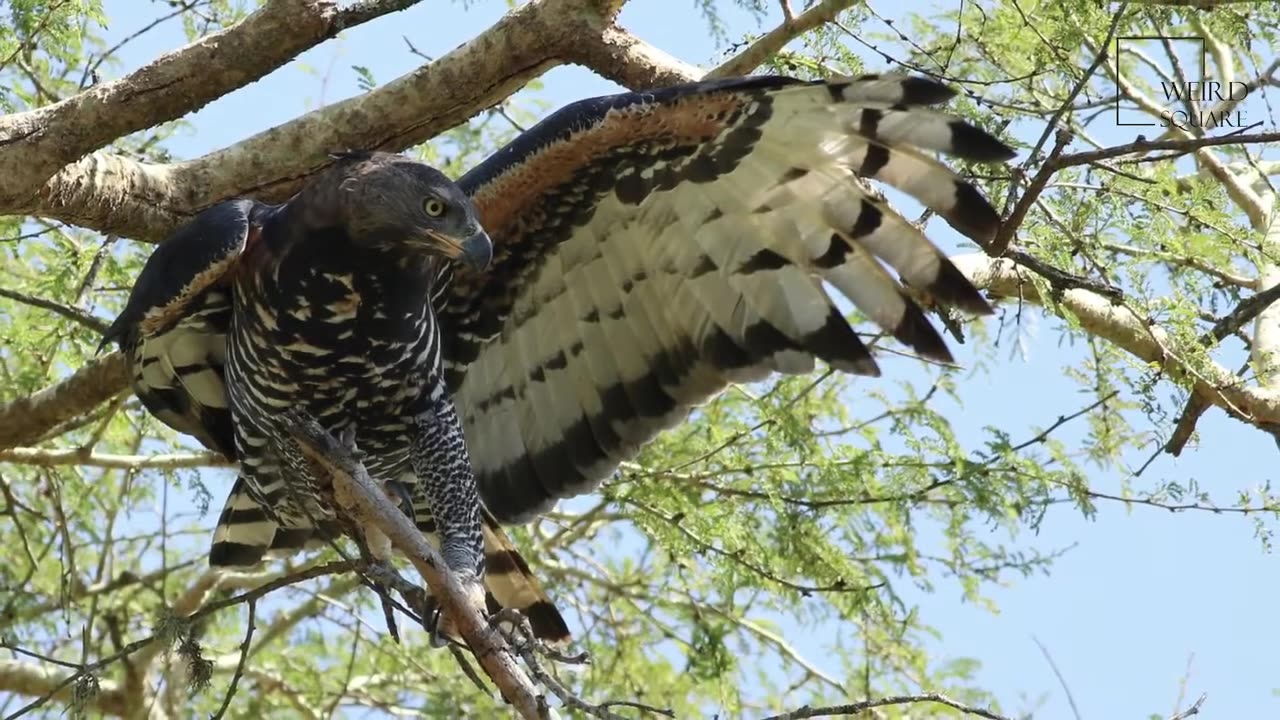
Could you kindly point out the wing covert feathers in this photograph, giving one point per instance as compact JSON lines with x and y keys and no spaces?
{"x":653,"y":247}
{"x":173,"y":328}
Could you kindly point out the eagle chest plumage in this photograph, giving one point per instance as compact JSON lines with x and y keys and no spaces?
{"x":340,"y":331}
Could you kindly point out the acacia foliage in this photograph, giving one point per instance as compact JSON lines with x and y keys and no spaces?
{"x":765,"y":555}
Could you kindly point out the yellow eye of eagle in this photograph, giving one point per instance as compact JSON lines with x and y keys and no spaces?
{"x":433,"y":207}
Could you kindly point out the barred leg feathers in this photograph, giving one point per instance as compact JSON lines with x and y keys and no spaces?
{"x":509,"y":584}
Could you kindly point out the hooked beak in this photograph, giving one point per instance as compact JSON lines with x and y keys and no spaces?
{"x":476,"y":251}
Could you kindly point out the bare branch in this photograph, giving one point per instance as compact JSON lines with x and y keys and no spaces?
{"x":88,"y":458}
{"x":351,"y":481}
{"x":1142,"y":338}
{"x":627,"y":60}
{"x":771,"y":42}
{"x":36,"y":144}
{"x":114,"y":194}
{"x":862,"y":707}
{"x":26,"y":419}
{"x":1141,"y":146}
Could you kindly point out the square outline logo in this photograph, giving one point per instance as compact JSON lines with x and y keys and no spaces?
{"x":1204,"y":59}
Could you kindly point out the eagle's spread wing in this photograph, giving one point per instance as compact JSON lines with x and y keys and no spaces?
{"x":651,"y":248}
{"x":173,"y":328}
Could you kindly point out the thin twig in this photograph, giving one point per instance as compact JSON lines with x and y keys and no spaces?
{"x":244,"y":656}
{"x":73,"y":314}
{"x":865,"y":705}
{"x":1071,"y":700}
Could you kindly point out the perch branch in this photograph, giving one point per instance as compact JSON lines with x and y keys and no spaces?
{"x":352,"y":481}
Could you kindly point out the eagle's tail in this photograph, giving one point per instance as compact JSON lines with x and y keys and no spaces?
{"x":245,"y":534}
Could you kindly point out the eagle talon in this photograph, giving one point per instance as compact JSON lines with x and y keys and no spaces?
{"x":435,"y":622}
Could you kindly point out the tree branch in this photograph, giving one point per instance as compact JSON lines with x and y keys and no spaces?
{"x":1265,"y":351}
{"x":33,"y":679}
{"x":69,"y":312}
{"x":862,"y":707}
{"x":26,"y":419}
{"x":629,"y":61}
{"x":143,"y":201}
{"x":773,"y":41}
{"x":1103,"y":317}
{"x":36,"y":144}
{"x":351,"y":482}
{"x":86,"y":457}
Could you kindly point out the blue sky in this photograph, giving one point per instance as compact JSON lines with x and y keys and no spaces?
{"x":1141,"y":590}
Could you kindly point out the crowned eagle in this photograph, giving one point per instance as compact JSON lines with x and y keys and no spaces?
{"x":506,"y":340}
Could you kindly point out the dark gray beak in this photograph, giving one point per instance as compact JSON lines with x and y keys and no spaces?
{"x":477,"y":251}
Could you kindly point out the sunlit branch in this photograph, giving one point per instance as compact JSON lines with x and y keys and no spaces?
{"x":88,"y":458}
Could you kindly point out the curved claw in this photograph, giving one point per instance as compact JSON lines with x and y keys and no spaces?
{"x":433,"y":620}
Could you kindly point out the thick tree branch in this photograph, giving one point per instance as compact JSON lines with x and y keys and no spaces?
{"x":629,"y":61}
{"x":143,"y":201}
{"x":26,"y":419}
{"x":1101,"y":316}
{"x":36,"y":144}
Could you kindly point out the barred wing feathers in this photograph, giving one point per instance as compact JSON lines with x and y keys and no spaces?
{"x":173,"y":328}
{"x":651,"y":248}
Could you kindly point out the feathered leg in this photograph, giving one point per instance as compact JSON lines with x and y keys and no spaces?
{"x":448,"y":484}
